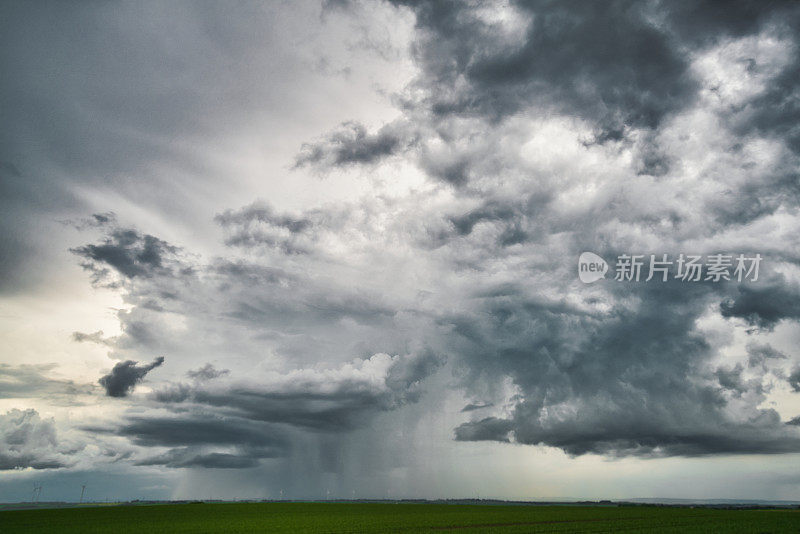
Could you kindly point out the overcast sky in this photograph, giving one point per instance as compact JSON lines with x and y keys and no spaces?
{"x":312,"y":250}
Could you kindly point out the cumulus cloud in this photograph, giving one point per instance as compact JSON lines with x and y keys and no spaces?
{"x":28,"y":441}
{"x":125,"y":375}
{"x":633,"y":81}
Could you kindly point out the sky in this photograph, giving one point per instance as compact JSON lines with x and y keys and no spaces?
{"x":315,"y":250}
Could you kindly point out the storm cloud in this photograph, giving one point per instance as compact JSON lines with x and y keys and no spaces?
{"x":333,"y":400}
{"x":624,"y":370}
{"x":195,"y":441}
{"x":353,"y":231}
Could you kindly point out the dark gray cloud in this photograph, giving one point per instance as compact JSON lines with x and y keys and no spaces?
{"x":229,"y":425}
{"x":626,"y":63}
{"x":766,"y":305}
{"x":627,"y":67}
{"x":334,"y":401}
{"x":471,"y":407}
{"x":510,"y":219}
{"x":195,"y":440}
{"x":197,"y":430}
{"x":352,"y":144}
{"x":487,"y":429}
{"x":129,"y":253}
{"x":777,"y":112}
{"x":207,"y":372}
{"x":646,"y":441}
{"x":125,"y":375}
{"x":630,"y":381}
{"x":731,"y":379}
{"x":587,"y":381}
{"x":618,"y":67}
{"x":335,"y":412}
{"x":182,"y":458}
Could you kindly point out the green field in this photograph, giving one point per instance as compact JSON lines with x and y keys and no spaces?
{"x":390,"y":517}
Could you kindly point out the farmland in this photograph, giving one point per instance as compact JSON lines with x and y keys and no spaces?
{"x":392,"y":517}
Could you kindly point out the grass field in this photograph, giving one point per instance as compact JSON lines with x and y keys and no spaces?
{"x":389,"y":517}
